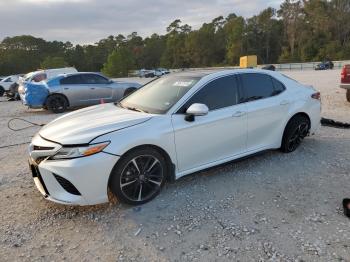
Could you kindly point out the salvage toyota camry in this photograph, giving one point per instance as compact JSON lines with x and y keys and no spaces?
{"x":173,"y":126}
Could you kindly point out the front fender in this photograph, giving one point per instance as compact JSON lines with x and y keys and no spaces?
{"x":143,"y":134}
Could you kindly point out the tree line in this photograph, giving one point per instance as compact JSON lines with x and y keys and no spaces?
{"x":299,"y":31}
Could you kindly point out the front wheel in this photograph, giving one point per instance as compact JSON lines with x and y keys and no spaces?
{"x":2,"y":91}
{"x":138,"y":176}
{"x":56,"y":103}
{"x":348,"y":95}
{"x":296,"y":130}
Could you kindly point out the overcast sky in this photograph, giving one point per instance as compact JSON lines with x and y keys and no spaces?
{"x":87,"y":21}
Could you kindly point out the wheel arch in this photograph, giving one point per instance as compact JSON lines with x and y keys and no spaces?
{"x":301,"y":113}
{"x":170,"y":164}
{"x":59,"y":94}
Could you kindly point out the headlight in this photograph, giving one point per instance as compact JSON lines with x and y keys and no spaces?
{"x":79,"y":151}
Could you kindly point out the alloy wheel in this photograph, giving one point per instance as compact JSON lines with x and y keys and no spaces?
{"x":141,"y":178}
{"x":299,"y":134}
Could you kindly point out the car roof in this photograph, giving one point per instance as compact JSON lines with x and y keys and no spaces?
{"x":208,"y":72}
{"x":82,"y":73}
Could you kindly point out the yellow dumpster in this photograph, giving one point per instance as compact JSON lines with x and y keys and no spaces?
{"x":248,"y":61}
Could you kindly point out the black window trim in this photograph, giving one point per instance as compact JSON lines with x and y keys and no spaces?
{"x":271,"y":77}
{"x":239,"y":89}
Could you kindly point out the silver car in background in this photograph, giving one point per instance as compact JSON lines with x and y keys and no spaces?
{"x":74,"y":90}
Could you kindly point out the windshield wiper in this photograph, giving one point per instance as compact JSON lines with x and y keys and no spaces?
{"x":136,"y":109}
{"x":119,"y":104}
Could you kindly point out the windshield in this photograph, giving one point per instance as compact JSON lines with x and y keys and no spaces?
{"x":158,"y":96}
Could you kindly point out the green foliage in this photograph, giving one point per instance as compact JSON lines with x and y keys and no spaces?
{"x":53,"y":62}
{"x":300,"y":30}
{"x":119,"y":63}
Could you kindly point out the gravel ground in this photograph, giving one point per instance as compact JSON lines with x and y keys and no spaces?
{"x":271,"y":207}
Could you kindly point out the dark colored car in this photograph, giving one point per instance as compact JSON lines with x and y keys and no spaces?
{"x":325,"y":65}
{"x":269,"y":67}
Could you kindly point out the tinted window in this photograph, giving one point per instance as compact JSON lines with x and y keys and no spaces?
{"x":71,"y":80}
{"x":257,"y":86}
{"x":220,"y":93}
{"x":94,"y":79}
{"x":278,"y":86}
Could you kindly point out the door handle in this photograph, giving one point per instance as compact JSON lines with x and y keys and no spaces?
{"x":92,"y":88}
{"x":284,"y":102}
{"x":238,"y":114}
{"x":66,"y":88}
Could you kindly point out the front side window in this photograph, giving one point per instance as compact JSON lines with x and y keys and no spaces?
{"x":71,"y":80}
{"x":158,"y":96}
{"x":219,"y":93}
{"x":94,"y":79}
{"x":256,"y":86}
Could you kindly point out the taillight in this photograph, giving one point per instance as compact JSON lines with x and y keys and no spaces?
{"x":316,"y":95}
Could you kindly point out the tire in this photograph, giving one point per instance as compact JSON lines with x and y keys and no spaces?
{"x":348,"y":95}
{"x":138,"y":185}
{"x":56,"y":103}
{"x":2,"y":91}
{"x":296,"y":130}
{"x":129,"y":91}
{"x":13,"y":92}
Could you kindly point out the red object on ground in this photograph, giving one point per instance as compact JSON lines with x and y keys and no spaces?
{"x":102,"y":101}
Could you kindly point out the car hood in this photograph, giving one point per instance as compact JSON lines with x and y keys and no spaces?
{"x":82,"y":126}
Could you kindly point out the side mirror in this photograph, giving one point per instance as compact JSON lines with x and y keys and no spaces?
{"x":196,"y":110}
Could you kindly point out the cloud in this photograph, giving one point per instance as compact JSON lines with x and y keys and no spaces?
{"x":87,"y":21}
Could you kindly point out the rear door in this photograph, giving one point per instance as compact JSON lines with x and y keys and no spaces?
{"x":267,"y":106}
{"x":74,"y":88}
{"x":100,"y":88}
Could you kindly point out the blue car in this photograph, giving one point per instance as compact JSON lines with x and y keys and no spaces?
{"x":74,"y":90}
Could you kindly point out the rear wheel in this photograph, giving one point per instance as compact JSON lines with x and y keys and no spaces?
{"x":2,"y":91}
{"x":296,"y":130}
{"x":138,"y":176}
{"x":57,"y":103}
{"x":348,"y":95}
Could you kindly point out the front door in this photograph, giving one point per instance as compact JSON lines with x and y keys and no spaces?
{"x":100,"y":88}
{"x":75,"y":90}
{"x":216,"y":136}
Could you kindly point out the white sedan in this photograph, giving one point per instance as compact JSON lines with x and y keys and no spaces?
{"x":173,"y":126}
{"x":7,"y":82}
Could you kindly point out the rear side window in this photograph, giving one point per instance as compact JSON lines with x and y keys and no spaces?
{"x":278,"y":86}
{"x":71,"y":80}
{"x":219,"y":93}
{"x":256,"y":86}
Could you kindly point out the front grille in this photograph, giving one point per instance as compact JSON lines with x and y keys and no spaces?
{"x":36,"y":173}
{"x":68,"y":186}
